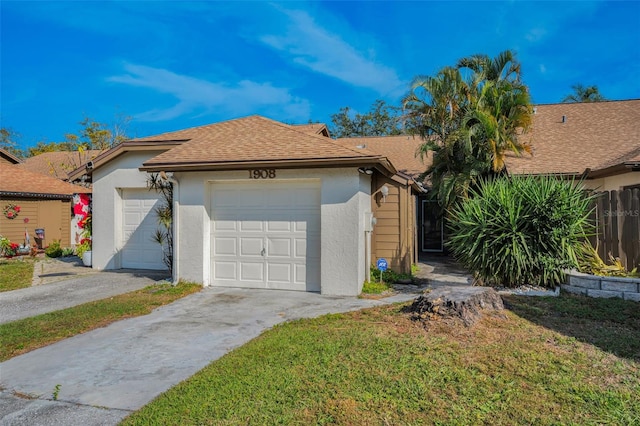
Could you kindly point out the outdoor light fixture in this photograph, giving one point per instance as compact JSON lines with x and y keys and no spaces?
{"x":366,"y":170}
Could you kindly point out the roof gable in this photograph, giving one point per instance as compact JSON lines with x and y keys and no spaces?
{"x":251,"y":141}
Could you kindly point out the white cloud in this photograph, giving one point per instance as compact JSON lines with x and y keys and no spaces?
{"x":311,"y":46}
{"x":197,"y":96}
{"x":542,"y":68}
{"x":536,"y":34}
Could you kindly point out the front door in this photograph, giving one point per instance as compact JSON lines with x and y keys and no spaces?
{"x":431,"y":226}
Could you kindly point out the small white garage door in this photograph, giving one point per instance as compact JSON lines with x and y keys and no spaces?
{"x":266,"y":235}
{"x":139,"y":224}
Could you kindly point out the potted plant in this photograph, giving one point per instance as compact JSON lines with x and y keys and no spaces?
{"x":83,"y":250}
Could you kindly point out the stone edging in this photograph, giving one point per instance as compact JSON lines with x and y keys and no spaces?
{"x":597,"y":286}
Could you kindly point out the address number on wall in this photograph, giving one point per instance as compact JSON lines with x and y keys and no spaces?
{"x":262,"y":174}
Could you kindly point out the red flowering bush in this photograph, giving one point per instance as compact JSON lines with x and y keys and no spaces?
{"x":7,"y":248}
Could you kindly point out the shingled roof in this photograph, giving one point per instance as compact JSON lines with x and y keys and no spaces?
{"x":254,"y":141}
{"x":16,"y":181}
{"x":8,"y":158}
{"x":573,"y":137}
{"x":594,"y":136}
{"x":400,"y":150}
{"x":58,"y":164}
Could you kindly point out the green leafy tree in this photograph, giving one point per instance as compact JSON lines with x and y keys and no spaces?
{"x":70,"y":144}
{"x":9,"y":141}
{"x":584,"y":94}
{"x":96,"y":135}
{"x":92,"y":135}
{"x":380,"y":120}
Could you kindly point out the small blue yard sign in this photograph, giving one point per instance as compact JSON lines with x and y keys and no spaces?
{"x":382,"y":264}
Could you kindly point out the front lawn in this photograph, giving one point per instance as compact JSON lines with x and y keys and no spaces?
{"x":31,"y":333}
{"x":15,"y":274}
{"x":378,"y":367}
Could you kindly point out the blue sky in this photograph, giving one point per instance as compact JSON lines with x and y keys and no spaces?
{"x":172,"y":65}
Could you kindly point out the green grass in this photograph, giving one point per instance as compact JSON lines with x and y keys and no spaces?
{"x":378,"y":367}
{"x":15,"y":274}
{"x":31,"y":333}
{"x":611,"y":324}
{"x":375,"y":287}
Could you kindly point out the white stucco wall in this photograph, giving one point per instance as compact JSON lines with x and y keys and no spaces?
{"x":344,"y":198}
{"x":108,"y":182}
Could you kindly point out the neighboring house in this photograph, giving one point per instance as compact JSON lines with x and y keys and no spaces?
{"x":44,"y":202}
{"x":8,"y":158}
{"x":257,"y":203}
{"x":598,"y":142}
{"x":60,"y":164}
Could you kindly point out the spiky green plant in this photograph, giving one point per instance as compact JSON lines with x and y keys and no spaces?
{"x":520,"y":230}
{"x":164,"y":213}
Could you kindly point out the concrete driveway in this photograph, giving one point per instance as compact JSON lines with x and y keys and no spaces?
{"x":105,"y":374}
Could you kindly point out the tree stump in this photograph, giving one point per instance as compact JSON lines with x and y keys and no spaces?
{"x":465,"y":303}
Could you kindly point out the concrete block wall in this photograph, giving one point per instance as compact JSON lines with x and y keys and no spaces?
{"x":596,"y":286}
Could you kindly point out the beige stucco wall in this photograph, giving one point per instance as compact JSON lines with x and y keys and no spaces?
{"x":614,"y":183}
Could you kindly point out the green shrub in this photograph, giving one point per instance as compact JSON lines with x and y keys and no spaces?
{"x":54,"y":249}
{"x":68,"y":252}
{"x":520,"y":230}
{"x":389,"y":276}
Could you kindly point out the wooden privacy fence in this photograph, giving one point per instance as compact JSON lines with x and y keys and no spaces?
{"x":617,"y":219}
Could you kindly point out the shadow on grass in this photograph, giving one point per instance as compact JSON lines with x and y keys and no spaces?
{"x":613,"y":325}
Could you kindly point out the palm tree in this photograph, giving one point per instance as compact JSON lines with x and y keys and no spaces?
{"x":435,"y":110}
{"x":469,"y":124}
{"x":584,"y":94}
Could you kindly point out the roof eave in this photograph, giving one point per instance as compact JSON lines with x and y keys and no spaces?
{"x":617,"y":169}
{"x":20,"y":194}
{"x":116,"y":151}
{"x":381,"y":162}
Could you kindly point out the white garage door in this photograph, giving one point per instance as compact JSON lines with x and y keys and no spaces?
{"x":139,"y":224}
{"x":266,"y":235}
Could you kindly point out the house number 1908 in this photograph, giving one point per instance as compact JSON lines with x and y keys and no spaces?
{"x":262,"y":174}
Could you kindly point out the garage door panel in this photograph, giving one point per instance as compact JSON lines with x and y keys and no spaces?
{"x":251,"y":225}
{"x":139,"y":225}
{"x":225,"y":271}
{"x":279,"y":197}
{"x":225,"y":246}
{"x":279,"y":272}
{"x":252,"y":271}
{"x":279,"y":247}
{"x":277,"y":227}
{"x":300,"y":274}
{"x":225,"y":225}
{"x":251,"y":246}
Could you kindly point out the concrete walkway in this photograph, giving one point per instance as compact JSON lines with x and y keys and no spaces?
{"x":84,"y":287}
{"x":124,"y":366}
